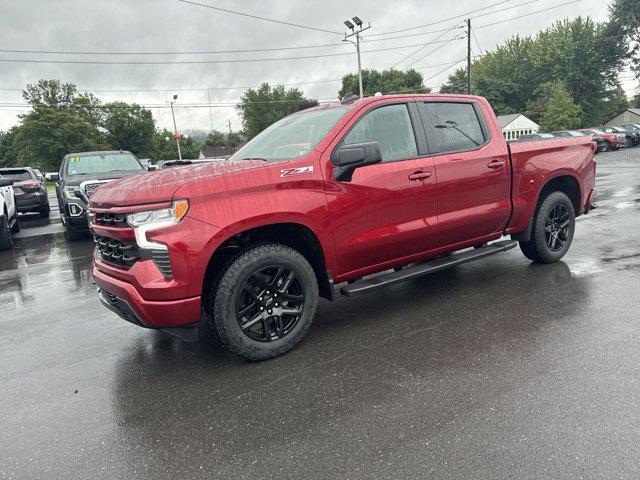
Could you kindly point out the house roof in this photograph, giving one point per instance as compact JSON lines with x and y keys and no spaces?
{"x":505,"y":120}
{"x":635,"y":111}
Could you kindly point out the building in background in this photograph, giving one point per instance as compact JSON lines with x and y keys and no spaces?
{"x":630,"y":115}
{"x":516,"y":124}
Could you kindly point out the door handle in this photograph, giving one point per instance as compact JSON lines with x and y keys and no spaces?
{"x":495,"y":164}
{"x":419,"y":175}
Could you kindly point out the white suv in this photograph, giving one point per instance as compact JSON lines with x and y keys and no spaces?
{"x":8,"y":214}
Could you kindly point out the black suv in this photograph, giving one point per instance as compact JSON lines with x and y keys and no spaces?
{"x":80,"y":176}
{"x":29,"y":189}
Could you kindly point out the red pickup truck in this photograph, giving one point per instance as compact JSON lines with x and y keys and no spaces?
{"x":365,"y":194}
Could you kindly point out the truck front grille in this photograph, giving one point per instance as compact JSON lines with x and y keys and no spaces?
{"x":111,"y":219}
{"x":117,"y":252}
{"x":90,"y":188}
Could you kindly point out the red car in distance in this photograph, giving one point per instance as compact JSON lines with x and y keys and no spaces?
{"x":613,"y":140}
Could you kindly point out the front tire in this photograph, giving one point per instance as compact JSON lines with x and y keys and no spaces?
{"x":16,"y":225}
{"x":264,"y":302}
{"x":72,"y":234}
{"x":553,"y":229}
{"x":6,"y":242}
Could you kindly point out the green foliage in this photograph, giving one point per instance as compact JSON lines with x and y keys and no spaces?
{"x":635,"y":102}
{"x":164,"y":147}
{"x":128,"y":127}
{"x":215,"y":139}
{"x":386,"y":81}
{"x":559,"y":112}
{"x":624,"y":19}
{"x":234,"y":139}
{"x":456,"y":83}
{"x":574,"y":52}
{"x":47,"y":134}
{"x":7,"y":151}
{"x":266,"y":105}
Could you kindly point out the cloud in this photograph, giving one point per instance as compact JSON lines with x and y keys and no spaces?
{"x":172,"y":26}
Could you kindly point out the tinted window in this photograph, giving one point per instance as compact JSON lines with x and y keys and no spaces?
{"x":452,"y":127}
{"x":391,"y":127}
{"x":103,"y":163}
{"x":15,"y":175}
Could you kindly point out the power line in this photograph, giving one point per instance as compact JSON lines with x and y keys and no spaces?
{"x":425,"y":46}
{"x":439,"y":21}
{"x":432,"y":51}
{"x":526,"y":14}
{"x":173,"y":62}
{"x":195,"y":52}
{"x":257,"y":17}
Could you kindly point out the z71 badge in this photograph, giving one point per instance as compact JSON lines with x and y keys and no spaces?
{"x":290,"y":172}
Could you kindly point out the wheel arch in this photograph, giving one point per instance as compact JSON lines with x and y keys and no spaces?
{"x":295,"y":235}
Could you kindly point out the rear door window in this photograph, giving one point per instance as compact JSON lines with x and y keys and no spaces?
{"x":16,"y":175}
{"x":452,"y":127}
{"x":391,"y":127}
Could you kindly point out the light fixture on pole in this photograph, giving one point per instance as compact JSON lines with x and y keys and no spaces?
{"x":356,"y":30}
{"x":176,"y":135}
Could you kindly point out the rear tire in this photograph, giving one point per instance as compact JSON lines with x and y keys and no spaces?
{"x":553,"y":229}
{"x":45,"y":211}
{"x":264,"y":302}
{"x":6,"y":242}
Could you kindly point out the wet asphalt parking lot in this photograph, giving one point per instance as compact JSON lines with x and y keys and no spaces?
{"x":496,"y":369}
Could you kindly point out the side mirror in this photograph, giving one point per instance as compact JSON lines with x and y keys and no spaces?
{"x":5,"y":182}
{"x":53,"y":177}
{"x":153,"y":168}
{"x":349,"y":157}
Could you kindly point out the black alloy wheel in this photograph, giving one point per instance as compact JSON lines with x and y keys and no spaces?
{"x":270,"y":303}
{"x":556,"y":229}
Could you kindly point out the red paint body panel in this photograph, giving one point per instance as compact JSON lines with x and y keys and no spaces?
{"x":382,"y":218}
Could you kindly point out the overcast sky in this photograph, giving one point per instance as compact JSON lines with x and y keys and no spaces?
{"x":173,"y":26}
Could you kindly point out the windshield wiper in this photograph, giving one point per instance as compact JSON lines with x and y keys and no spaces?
{"x":254,"y":158}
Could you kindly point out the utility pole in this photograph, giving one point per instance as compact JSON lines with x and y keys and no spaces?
{"x":356,"y":32}
{"x":210,"y":112}
{"x":468,"y":56}
{"x":175,"y":128}
{"x":229,"y":125}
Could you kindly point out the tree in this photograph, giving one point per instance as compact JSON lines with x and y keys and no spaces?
{"x":456,"y":83}
{"x":624,"y":21}
{"x":386,"y":81}
{"x":233,"y":140}
{"x":614,"y":103}
{"x":559,"y":111}
{"x":215,"y":139}
{"x":7,"y":150}
{"x":266,"y":105}
{"x":48,"y":134}
{"x":164,"y":147}
{"x":635,"y":102}
{"x":128,"y":127}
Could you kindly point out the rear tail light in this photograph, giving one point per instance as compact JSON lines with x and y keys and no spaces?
{"x":30,"y":184}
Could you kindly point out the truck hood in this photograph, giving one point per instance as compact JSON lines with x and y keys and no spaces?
{"x":159,"y":186}
{"x":75,"y":180}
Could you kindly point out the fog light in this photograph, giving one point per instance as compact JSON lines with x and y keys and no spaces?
{"x":75,"y":210}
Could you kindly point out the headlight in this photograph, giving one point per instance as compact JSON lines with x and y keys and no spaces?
{"x":72,"y":193}
{"x":166,"y":215}
{"x":142,"y":222}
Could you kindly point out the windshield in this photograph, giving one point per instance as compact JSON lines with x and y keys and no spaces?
{"x":293,"y":136}
{"x":108,"y":162}
{"x":598,"y":132}
{"x":15,"y":175}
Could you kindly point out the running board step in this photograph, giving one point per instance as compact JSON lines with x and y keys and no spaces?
{"x":367,"y":285}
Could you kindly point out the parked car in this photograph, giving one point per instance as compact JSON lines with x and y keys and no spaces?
{"x":367,"y":194}
{"x":599,"y":142}
{"x":81,"y":174}
{"x":631,"y":131}
{"x":9,"y":222}
{"x":613,"y":140}
{"x":631,"y":138}
{"x":529,"y":137}
{"x":29,"y":189}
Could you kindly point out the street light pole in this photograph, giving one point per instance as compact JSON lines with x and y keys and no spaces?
{"x":175,"y":127}
{"x":356,"y":32}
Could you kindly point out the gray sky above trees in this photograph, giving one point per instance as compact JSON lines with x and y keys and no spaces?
{"x":172,"y":26}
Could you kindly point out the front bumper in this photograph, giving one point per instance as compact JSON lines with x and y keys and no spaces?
{"x":123,"y":299}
